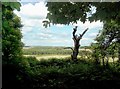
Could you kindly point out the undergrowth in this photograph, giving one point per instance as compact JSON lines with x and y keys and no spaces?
{"x":29,"y":73}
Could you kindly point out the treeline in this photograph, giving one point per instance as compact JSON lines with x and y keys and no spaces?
{"x":47,"y":51}
{"x":21,"y":72}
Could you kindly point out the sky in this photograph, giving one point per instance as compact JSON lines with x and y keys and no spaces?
{"x":34,"y":34}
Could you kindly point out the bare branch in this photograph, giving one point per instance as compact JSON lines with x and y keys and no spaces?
{"x":81,"y":35}
{"x":74,"y":31}
{"x":69,"y":48}
{"x":84,"y":32}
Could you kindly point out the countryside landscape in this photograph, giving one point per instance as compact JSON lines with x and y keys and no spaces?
{"x":60,"y":45}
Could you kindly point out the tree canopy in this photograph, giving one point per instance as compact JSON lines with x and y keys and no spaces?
{"x":66,"y":13}
{"x":11,"y":35}
{"x":107,"y":12}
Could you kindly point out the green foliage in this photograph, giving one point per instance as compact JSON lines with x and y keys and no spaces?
{"x":61,"y":73}
{"x":55,"y":51}
{"x":28,"y":73}
{"x":11,"y":35}
{"x":12,"y":5}
{"x":66,"y":13}
{"x":46,"y":51}
{"x":106,"y":11}
{"x":108,"y":42}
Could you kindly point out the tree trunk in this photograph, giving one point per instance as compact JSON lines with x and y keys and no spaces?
{"x":118,"y":42}
{"x":113,"y":59}
{"x":107,"y":60}
{"x":119,"y":53}
{"x":75,"y":53}
{"x":103,"y":61}
{"x":76,"y":39}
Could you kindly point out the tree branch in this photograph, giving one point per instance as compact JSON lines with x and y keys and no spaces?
{"x":81,"y":35}
{"x":84,"y":32}
{"x":74,"y":31}
{"x":69,"y":48}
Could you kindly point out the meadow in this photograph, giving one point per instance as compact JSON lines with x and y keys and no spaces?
{"x":47,"y":52}
{"x":44,"y":67}
{"x":61,"y":73}
{"x":52,"y":67}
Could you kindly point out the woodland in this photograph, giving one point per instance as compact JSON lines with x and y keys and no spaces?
{"x":91,"y":72}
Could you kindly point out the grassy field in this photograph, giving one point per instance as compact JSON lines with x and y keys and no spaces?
{"x":55,"y":70}
{"x":46,"y":52}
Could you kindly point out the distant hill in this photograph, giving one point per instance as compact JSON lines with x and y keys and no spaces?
{"x":27,"y":47}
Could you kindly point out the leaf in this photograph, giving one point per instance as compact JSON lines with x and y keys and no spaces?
{"x":13,"y":5}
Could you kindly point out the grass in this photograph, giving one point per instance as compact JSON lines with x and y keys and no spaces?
{"x":60,"y":73}
{"x":46,"y":52}
{"x":47,"y":57}
{"x":42,"y":71}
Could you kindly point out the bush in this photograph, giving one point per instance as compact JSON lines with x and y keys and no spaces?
{"x":60,"y":73}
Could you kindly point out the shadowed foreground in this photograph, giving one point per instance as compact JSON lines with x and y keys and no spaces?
{"x":30,"y":73}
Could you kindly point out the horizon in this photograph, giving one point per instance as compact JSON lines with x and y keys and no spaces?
{"x":34,"y":34}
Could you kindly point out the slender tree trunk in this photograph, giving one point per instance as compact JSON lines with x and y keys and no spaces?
{"x":113,"y":59}
{"x":119,"y":53}
{"x":103,"y":61}
{"x":107,"y":60}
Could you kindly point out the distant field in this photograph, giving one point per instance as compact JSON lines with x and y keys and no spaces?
{"x":45,"y":52}
{"x":39,"y":57}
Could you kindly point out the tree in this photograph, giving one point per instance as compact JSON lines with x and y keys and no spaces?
{"x":66,"y":13}
{"x":96,"y":53}
{"x":11,"y":45}
{"x":109,"y":38}
{"x":11,"y":34}
{"x":108,"y":13}
{"x":76,"y":40}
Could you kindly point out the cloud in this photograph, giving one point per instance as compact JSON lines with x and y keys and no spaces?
{"x":32,"y":16}
{"x":26,"y":30}
{"x":44,"y":35}
{"x":87,"y":24}
{"x":60,"y":25}
{"x":92,"y":35}
{"x":37,"y":11}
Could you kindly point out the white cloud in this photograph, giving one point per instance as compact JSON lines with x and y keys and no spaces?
{"x":32,"y":16}
{"x":92,"y":35}
{"x":26,"y":30}
{"x":37,"y":11}
{"x":87,"y":24}
{"x":85,"y":39}
{"x":44,"y":35}
{"x":60,"y":25}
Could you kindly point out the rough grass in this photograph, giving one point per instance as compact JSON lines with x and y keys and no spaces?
{"x":58,"y":52}
{"x":59,"y":73}
{"x":46,"y":57}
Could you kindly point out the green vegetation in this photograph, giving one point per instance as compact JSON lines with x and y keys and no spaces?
{"x":89,"y":72}
{"x":78,"y":11}
{"x":61,"y":73}
{"x":44,"y":50}
{"x":11,"y":35}
{"x":41,"y":50}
